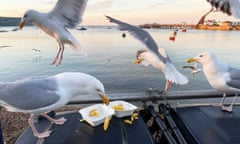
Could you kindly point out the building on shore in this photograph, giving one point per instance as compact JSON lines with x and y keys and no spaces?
{"x":214,"y":25}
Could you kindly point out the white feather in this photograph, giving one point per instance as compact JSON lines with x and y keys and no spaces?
{"x":172,"y":74}
{"x":145,"y":63}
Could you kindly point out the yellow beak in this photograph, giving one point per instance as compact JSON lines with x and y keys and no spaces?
{"x":191,"y":60}
{"x":21,"y":24}
{"x":137,"y":61}
{"x":104,"y":99}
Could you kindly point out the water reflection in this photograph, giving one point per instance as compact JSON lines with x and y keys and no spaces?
{"x":110,"y":56}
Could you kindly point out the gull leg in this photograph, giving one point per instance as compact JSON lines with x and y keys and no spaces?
{"x":229,"y":108}
{"x":34,"y":130}
{"x":223,"y":99}
{"x":59,"y":121}
{"x":61,"y":56}
{"x":57,"y":56}
{"x":168,"y":85}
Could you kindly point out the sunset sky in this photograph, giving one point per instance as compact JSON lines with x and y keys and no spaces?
{"x":132,"y":11}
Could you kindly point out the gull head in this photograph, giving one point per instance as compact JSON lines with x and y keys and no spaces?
{"x":139,"y":56}
{"x":27,"y":17}
{"x":202,"y":58}
{"x":96,"y":88}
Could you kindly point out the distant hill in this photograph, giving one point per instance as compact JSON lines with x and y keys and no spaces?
{"x":9,"y":21}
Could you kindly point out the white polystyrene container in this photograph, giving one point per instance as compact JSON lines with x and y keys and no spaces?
{"x":128,"y":108}
{"x":103,"y":112}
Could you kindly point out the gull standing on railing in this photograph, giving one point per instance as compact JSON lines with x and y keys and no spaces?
{"x":220,"y":76}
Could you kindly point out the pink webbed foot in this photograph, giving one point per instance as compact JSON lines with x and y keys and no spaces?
{"x":54,"y":60}
{"x":59,"y":61}
{"x":34,"y":130}
{"x":228,"y":109}
{"x":60,"y":121}
{"x":43,"y":134}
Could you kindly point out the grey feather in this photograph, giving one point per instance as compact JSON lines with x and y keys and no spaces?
{"x":30,"y":93}
{"x":68,"y":13}
{"x":234,"y":73}
{"x":142,"y":35}
{"x":234,"y":78}
{"x":230,"y":7}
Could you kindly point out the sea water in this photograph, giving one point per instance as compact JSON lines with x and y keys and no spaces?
{"x":110,"y":56}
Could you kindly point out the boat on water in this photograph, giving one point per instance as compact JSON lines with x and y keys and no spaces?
{"x":175,"y":117}
{"x":82,"y":28}
{"x":184,"y":30}
{"x":173,"y":35}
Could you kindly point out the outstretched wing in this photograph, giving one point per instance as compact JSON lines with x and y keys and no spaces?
{"x":230,"y":7}
{"x":142,"y":35}
{"x":68,"y":13}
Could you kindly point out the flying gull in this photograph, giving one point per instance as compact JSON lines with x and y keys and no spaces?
{"x":157,"y":57}
{"x":230,"y":7}
{"x":220,"y":76}
{"x":38,"y":95}
{"x":65,"y":14}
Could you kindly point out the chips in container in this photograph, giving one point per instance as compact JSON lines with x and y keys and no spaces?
{"x":122,"y":108}
{"x":96,"y":114}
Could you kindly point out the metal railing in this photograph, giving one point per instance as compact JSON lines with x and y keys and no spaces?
{"x":151,"y":95}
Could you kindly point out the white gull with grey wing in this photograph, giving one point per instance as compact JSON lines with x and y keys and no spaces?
{"x":38,"y":95}
{"x":155,"y":56}
{"x":220,"y":76}
{"x":65,"y":14}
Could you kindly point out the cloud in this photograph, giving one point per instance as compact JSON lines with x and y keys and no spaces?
{"x":96,"y":6}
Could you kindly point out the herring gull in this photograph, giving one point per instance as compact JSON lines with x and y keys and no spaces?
{"x":157,"y":57}
{"x":230,"y":7}
{"x":65,"y":14}
{"x":220,"y":76}
{"x":38,"y":95}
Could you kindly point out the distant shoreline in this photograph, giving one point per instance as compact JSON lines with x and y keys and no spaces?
{"x":191,"y":26}
{"x":168,"y":26}
{"x":14,"y":21}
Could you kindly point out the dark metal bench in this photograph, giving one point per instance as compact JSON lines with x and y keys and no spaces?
{"x":75,"y":132}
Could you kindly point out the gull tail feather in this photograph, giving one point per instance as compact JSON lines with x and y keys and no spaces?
{"x":77,"y":47}
{"x":173,"y":75}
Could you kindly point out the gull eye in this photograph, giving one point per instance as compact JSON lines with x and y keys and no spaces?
{"x":25,"y":15}
{"x":98,"y":90}
{"x":201,"y":56}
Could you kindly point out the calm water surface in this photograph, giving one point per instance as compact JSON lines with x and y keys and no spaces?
{"x":110,"y":56}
